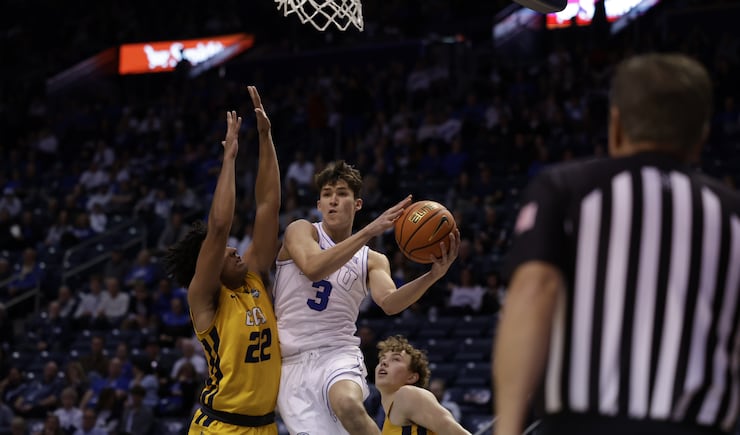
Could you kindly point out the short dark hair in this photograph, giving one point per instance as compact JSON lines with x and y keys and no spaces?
{"x":663,"y":98}
{"x":180,"y":259}
{"x":419,"y":362}
{"x":339,"y":170}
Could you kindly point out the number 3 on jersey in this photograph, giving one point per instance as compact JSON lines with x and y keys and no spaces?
{"x":321,"y":300}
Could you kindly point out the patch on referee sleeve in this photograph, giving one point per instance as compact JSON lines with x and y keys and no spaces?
{"x":526,"y":219}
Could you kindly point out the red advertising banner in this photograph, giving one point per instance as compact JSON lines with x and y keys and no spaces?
{"x":162,"y":56}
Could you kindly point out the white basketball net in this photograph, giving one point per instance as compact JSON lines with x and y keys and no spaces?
{"x":322,"y":13}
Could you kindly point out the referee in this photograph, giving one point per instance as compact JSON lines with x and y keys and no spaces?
{"x":625,"y":275}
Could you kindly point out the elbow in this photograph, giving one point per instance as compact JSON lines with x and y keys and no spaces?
{"x":388,"y":308}
{"x":313,"y":276}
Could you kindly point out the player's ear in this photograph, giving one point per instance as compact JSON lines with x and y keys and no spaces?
{"x":412,"y":379}
{"x":358,"y":204}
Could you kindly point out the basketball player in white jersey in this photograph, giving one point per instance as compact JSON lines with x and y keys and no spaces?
{"x":323,"y":273}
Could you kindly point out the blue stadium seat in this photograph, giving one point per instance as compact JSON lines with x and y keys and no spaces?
{"x":447,"y":371}
{"x":474,"y":374}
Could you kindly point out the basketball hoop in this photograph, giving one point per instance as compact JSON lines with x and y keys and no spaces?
{"x":322,"y":13}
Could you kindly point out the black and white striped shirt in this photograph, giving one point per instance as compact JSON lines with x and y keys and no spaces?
{"x":649,"y":328}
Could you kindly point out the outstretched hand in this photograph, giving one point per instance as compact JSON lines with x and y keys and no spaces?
{"x":386,"y":220}
{"x":231,"y":142}
{"x":263,"y":122}
{"x":441,"y":265}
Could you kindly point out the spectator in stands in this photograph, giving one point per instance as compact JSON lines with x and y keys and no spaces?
{"x":109,"y":408}
{"x":12,"y":386}
{"x":42,"y":395}
{"x":51,"y":331}
{"x":175,"y":324}
{"x":113,"y":380}
{"x":117,"y":265}
{"x":90,"y":302}
{"x":137,"y":418}
{"x":162,"y":299}
{"x":76,"y":378}
{"x":189,"y":356}
{"x":56,"y":232}
{"x":10,"y":202}
{"x":81,"y":229}
{"x":174,"y":231}
{"x":122,"y":353}
{"x":157,"y":359}
{"x":438,"y":387}
{"x":67,"y":303}
{"x":300,"y":175}
{"x":89,"y":421}
{"x":18,"y":426}
{"x":28,"y":275}
{"x":98,"y":219}
{"x":114,"y":303}
{"x":51,"y":426}
{"x":141,"y":309}
{"x":95,"y":362}
{"x":144,"y":378}
{"x":69,"y":414}
{"x":142,"y":269}
{"x":466,"y":296}
{"x":184,"y":389}
{"x":185,"y":198}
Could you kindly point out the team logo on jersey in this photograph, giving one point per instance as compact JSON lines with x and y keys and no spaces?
{"x":254,"y":292}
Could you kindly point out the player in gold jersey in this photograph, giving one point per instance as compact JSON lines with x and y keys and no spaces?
{"x":231,"y":310}
{"x":401,"y":376}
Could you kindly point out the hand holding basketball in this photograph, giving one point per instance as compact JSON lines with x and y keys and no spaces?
{"x":386,"y":220}
{"x":427,"y":233}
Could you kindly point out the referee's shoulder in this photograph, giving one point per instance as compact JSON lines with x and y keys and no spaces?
{"x":727,"y":194}
{"x":577,"y":171}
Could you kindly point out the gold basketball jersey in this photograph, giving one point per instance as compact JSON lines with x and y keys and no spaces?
{"x":242,"y":350}
{"x":412,"y":429}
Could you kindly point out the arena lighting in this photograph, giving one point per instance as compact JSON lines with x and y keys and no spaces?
{"x":163,"y":56}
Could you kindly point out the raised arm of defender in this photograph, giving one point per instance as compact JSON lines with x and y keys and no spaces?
{"x":260,"y":255}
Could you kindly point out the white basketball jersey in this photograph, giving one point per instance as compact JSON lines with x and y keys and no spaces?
{"x":322,"y":313}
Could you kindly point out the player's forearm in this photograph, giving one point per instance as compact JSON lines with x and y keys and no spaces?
{"x":328,"y":261}
{"x":222,"y":207}
{"x":407,"y":294}
{"x":521,"y":349}
{"x":267,"y":184}
{"x":450,"y":427}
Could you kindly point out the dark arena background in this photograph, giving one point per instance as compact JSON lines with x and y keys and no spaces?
{"x":111,"y":119}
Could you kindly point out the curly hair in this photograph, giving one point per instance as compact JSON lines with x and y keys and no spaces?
{"x":339,"y":170}
{"x":180,"y":259}
{"x":419,"y":362}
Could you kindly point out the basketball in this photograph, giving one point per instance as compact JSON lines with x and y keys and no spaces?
{"x":420,"y":229}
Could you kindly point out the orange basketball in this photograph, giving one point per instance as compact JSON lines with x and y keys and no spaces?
{"x":420,"y":229}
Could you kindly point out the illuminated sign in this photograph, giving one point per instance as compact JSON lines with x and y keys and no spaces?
{"x":152,"y":57}
{"x":582,"y":11}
